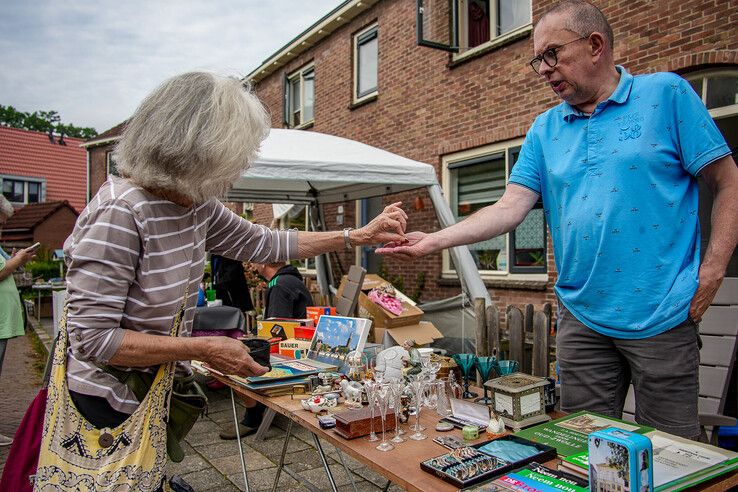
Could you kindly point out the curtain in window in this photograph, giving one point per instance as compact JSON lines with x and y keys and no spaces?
{"x":478,"y":22}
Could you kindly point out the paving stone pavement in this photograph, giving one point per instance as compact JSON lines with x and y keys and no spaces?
{"x":208,"y":459}
{"x":210,"y":464}
{"x":19,"y":385}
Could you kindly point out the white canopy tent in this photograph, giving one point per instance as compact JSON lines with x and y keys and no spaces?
{"x":305,"y":167}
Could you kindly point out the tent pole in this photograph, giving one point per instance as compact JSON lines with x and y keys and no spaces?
{"x":322,"y":262}
{"x":471,"y":282}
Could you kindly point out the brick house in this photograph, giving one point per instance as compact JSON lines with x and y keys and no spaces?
{"x":37,"y":167}
{"x":48,"y":223}
{"x":359,"y":73}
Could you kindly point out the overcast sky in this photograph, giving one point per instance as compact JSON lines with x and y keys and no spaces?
{"x":93,"y":61}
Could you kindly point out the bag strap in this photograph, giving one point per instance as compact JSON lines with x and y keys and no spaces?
{"x":49,"y":363}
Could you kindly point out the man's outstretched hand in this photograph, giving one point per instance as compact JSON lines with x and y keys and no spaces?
{"x":416,"y":245}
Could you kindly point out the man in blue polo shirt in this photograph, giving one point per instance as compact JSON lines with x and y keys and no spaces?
{"x":615,"y":165}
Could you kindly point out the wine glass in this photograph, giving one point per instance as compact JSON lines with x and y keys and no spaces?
{"x":466,"y":364}
{"x":485,"y":364}
{"x":507,"y":367}
{"x":371,"y":387}
{"x":397,"y":388}
{"x":383,"y":395}
{"x":418,"y":388}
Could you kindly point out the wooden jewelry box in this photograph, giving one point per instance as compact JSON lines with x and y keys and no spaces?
{"x":356,"y":422}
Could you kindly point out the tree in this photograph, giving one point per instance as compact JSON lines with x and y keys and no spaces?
{"x":42,"y":121}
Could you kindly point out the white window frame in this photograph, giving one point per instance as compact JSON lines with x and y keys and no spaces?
{"x":289,"y":110}
{"x":26,"y":180}
{"x":447,"y":182}
{"x":494,"y":39}
{"x":355,"y":91}
{"x":704,"y":75}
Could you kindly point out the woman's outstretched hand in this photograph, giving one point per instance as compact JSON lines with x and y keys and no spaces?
{"x":389,"y":226}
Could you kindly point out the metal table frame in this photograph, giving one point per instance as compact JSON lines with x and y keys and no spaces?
{"x":268,"y":417}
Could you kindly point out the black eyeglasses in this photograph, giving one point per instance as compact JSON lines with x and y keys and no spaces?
{"x":549,"y":56}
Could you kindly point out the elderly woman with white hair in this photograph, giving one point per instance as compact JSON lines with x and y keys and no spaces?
{"x":135,"y":259}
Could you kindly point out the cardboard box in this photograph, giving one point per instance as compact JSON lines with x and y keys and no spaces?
{"x":381,"y":318}
{"x":424,"y":333}
{"x":291,"y":345}
{"x":315,"y":312}
{"x":281,"y":328}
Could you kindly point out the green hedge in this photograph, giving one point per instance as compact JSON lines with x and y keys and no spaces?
{"x":45,"y":269}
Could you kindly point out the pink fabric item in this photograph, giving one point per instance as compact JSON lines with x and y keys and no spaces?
{"x":391,"y":304}
{"x":23,"y":457}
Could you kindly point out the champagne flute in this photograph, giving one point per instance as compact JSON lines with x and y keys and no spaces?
{"x":383,"y":395}
{"x":371,"y":387}
{"x":398,"y":388}
{"x":418,"y":388}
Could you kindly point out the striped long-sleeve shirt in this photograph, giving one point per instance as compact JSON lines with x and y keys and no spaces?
{"x":131,"y":258}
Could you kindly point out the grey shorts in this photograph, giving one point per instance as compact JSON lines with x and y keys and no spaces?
{"x":596,"y":370}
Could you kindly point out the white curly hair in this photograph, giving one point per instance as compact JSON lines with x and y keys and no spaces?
{"x":194,"y":134}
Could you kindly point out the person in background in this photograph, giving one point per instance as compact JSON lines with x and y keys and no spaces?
{"x":616,"y":166}
{"x":286,"y":297}
{"x":11,"y":310}
{"x":229,"y":282}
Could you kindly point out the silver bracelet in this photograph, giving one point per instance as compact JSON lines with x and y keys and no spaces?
{"x":346,"y":239}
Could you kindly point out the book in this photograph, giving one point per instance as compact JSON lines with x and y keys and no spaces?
{"x":569,"y":434}
{"x":677,"y":460}
{"x":534,"y":478}
{"x":284,"y":370}
{"x":265,"y":388}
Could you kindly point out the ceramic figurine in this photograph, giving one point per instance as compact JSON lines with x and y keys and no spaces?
{"x":351,"y":391}
{"x":413,"y":362}
{"x":496,"y":426}
{"x":390,"y":363}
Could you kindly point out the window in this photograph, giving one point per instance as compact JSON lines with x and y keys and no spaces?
{"x":463,"y":25}
{"x":22,"y":190}
{"x":112,"y":166}
{"x":477,"y":179}
{"x":718,"y":90}
{"x":299,"y":97}
{"x":366,"y":53}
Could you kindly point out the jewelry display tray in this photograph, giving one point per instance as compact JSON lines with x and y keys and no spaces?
{"x":481,"y":466}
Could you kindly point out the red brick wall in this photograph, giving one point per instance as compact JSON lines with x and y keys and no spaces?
{"x":52,"y":232}
{"x":427,"y":108}
{"x":99,"y":166}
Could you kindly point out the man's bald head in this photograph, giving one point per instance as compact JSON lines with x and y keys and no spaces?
{"x":582,"y":18}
